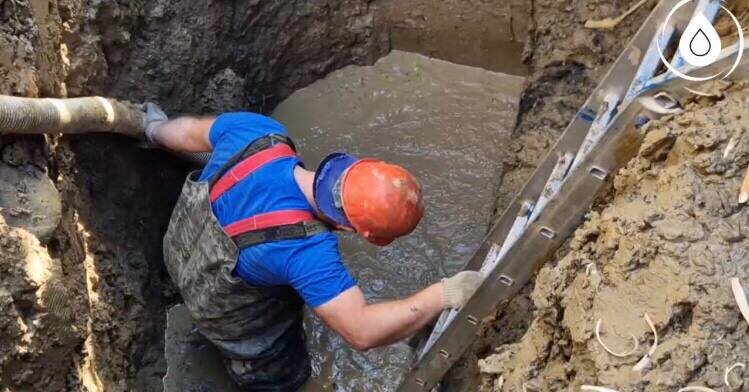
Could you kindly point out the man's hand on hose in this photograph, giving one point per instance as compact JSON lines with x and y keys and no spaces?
{"x":183,"y":134}
{"x":459,"y":288}
{"x":155,"y":117}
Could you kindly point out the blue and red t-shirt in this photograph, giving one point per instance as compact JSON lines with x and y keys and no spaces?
{"x":312,"y":265}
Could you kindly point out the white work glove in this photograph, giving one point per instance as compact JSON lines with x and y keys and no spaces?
{"x":154,"y":118}
{"x":459,"y":288}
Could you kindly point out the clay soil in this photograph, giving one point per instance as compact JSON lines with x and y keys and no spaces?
{"x":559,"y":313}
{"x":82,"y":308}
{"x":667,"y":245}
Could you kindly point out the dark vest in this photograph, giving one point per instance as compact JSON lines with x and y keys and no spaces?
{"x":260,"y":325}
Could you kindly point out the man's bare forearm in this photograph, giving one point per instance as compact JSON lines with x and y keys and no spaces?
{"x":390,"y":322}
{"x":186,"y":134}
{"x":366,"y":326}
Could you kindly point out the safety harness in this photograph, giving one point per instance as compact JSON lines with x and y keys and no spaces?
{"x":268,"y":226}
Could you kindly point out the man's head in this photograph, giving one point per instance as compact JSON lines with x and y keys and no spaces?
{"x":376,"y":199}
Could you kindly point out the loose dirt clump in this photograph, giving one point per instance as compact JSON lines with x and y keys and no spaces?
{"x":38,"y":330}
{"x":667,"y":246}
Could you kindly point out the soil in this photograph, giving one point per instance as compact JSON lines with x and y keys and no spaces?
{"x":38,"y":328}
{"x":566,"y":61}
{"x":83,"y":305}
{"x":489,"y":34}
{"x":115,"y":199}
{"x":557,"y":90}
{"x":666,"y":246}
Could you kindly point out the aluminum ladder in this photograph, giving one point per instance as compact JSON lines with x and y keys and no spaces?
{"x":603,"y":136}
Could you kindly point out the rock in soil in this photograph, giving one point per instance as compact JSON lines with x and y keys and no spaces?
{"x":29,"y":200}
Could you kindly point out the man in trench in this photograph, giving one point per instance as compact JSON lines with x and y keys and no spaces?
{"x":249,"y":243}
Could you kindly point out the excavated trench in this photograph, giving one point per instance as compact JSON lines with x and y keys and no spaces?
{"x":103,"y":328}
{"x":82,"y":305}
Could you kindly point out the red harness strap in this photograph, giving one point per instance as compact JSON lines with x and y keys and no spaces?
{"x":248,"y":166}
{"x":268,"y":220}
{"x":267,"y":226}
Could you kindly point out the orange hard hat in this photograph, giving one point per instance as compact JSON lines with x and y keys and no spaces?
{"x":382,"y":201}
{"x":379,"y":200}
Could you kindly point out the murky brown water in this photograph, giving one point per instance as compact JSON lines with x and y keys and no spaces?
{"x":489,"y":34}
{"x":450,"y":125}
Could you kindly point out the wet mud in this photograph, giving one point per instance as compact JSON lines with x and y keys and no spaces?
{"x":443,"y":122}
{"x":666,"y":246}
{"x":38,"y":327}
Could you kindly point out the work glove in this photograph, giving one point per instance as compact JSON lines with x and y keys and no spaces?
{"x":154,"y":118}
{"x":458,"y":289}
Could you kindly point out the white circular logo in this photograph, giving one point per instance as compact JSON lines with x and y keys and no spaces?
{"x":700,"y":44}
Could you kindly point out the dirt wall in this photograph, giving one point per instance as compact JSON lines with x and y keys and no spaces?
{"x":486,"y":34}
{"x":565,"y":60}
{"x":666,"y":246}
{"x":116,"y":198}
{"x":568,"y":60}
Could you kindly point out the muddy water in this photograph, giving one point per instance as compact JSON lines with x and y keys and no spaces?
{"x":450,"y":125}
{"x":489,"y":34}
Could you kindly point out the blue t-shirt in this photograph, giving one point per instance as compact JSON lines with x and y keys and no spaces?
{"x":312,"y":265}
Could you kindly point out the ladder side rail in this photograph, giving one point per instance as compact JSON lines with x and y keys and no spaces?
{"x":621,"y":73}
{"x":560,"y":219}
{"x":529,"y":253}
{"x":573,"y":140}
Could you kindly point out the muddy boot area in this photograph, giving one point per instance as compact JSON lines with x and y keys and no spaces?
{"x":193,"y":363}
{"x":446,"y":124}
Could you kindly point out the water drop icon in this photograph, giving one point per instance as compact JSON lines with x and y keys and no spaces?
{"x":700,"y":43}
